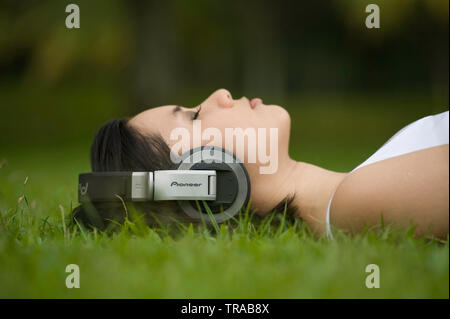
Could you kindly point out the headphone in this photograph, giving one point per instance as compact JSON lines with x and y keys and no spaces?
{"x":207,"y":173}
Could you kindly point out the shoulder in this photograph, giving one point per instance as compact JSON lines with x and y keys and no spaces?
{"x":408,"y":182}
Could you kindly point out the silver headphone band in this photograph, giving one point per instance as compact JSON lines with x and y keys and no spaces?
{"x":173,"y":185}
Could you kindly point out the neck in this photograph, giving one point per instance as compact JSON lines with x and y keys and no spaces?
{"x":313,"y":187}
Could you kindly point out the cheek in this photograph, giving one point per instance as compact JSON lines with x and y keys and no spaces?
{"x":273,"y":117}
{"x":229,"y":119}
{"x":182,"y":136}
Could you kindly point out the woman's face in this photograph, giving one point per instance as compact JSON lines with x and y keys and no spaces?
{"x":223,"y":114}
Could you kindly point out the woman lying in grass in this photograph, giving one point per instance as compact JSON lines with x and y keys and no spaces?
{"x":404,"y":183}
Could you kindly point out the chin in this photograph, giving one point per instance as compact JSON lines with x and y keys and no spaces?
{"x":283,"y":119}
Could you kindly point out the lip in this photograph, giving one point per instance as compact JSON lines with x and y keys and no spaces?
{"x":255,"y":102}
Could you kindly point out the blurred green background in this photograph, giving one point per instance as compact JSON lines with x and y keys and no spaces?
{"x":57,"y":85}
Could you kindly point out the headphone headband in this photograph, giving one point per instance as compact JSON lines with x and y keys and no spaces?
{"x":146,"y":186}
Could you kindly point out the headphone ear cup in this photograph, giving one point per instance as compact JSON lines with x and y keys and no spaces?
{"x":232,"y":188}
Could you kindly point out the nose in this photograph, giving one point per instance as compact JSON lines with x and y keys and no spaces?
{"x":223,"y":98}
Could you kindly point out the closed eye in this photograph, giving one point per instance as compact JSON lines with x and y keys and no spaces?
{"x":195,"y":115}
{"x":192,"y":114}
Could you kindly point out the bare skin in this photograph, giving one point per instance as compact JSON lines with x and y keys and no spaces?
{"x":407,"y":189}
{"x":411,"y":188}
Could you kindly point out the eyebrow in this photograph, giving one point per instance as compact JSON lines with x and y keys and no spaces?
{"x":176,"y":109}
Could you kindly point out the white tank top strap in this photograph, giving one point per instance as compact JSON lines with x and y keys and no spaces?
{"x":328,"y":224}
{"x":424,"y":133}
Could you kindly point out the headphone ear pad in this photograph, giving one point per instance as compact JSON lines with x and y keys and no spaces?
{"x":233,"y":183}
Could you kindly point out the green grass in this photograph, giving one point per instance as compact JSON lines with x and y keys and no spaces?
{"x":252,"y":258}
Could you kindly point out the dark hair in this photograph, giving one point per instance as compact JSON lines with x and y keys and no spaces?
{"x":118,"y":146}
